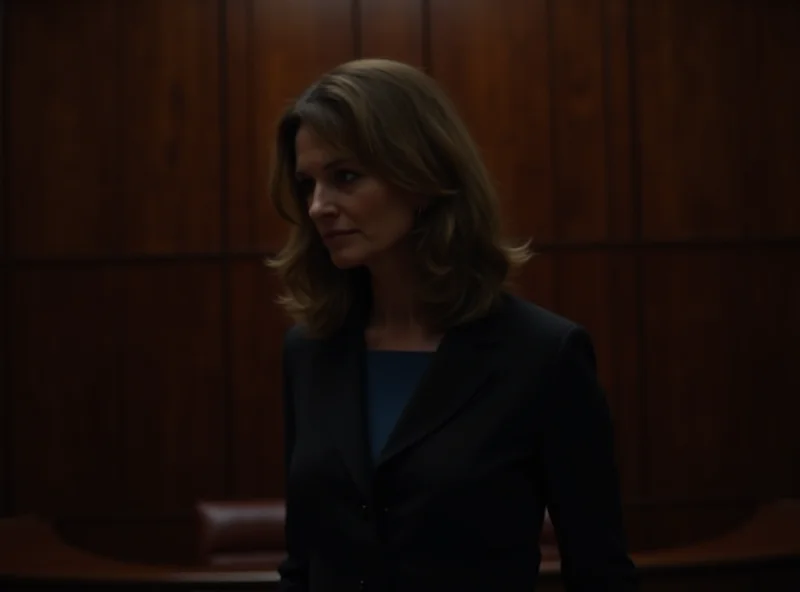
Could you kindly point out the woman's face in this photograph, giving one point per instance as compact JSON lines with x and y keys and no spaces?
{"x":360,"y":218}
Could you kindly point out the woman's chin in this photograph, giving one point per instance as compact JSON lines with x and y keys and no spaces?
{"x":344,"y":260}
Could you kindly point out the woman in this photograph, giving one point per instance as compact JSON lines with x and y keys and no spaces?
{"x":430,"y":416}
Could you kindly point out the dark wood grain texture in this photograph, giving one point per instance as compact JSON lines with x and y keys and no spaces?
{"x":581,"y":207}
{"x":169,"y":144}
{"x":623,"y":221}
{"x":502,"y":91}
{"x":6,"y":474}
{"x":256,"y":428}
{"x":117,"y":389}
{"x":5,"y":369}
{"x":63,"y":112}
{"x":393,"y":29}
{"x":276,"y":48}
{"x":113,"y":135}
{"x":718,"y":119}
{"x":173,"y":421}
{"x":723,"y":339}
{"x":65,"y":351}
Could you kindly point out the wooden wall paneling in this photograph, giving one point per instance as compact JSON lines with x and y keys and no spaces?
{"x":5,"y":401}
{"x":536,"y":281}
{"x":62,"y":110}
{"x":113,"y":134}
{"x":699,"y":113}
{"x":661,"y":523}
{"x":623,"y":203}
{"x":117,"y":390}
{"x":582,"y":202}
{"x":598,"y":290}
{"x":394,"y":29}
{"x":172,"y":387}
{"x":5,"y":397}
{"x":276,"y":48}
{"x":722,"y":338}
{"x":146,"y":539}
{"x":3,"y":126}
{"x":492,"y":57}
{"x":6,"y":494}
{"x":256,"y":428}
{"x":67,"y":357}
{"x":169,"y":139}
{"x":776,"y":201}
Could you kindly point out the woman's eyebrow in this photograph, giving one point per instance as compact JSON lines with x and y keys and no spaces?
{"x":332,"y":164}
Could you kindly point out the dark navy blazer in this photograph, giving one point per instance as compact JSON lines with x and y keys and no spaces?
{"x":509,"y":419}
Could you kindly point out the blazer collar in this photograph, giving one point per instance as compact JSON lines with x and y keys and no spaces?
{"x":337,"y":388}
{"x":463,"y":363}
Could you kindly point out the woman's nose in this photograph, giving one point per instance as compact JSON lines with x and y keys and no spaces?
{"x":320,"y":204}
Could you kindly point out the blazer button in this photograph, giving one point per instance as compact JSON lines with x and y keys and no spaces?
{"x":365,"y":512}
{"x":362,"y":585}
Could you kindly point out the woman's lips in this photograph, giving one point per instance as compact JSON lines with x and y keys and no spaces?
{"x":333,"y":235}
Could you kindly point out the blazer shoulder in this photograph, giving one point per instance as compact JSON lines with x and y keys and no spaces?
{"x":296,"y":339}
{"x":534,"y":325}
{"x":294,"y":335}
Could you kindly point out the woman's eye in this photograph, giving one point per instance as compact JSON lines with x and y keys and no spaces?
{"x":346,"y":176}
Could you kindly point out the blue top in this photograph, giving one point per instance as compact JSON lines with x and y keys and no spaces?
{"x":392,"y":377}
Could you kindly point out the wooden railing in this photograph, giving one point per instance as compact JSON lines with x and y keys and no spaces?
{"x":763,"y":554}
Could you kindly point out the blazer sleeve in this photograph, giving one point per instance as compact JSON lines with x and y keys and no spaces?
{"x":293,"y":569}
{"x":581,"y":480}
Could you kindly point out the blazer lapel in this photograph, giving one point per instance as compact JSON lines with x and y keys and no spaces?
{"x":337,"y":388}
{"x":465,"y":361}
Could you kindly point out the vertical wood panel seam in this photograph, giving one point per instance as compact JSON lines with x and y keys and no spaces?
{"x":645,"y":486}
{"x":224,"y":269}
{"x":6,"y":492}
{"x":634,"y":128}
{"x":553,"y":127}
{"x":606,"y":94}
{"x":553,"y":143}
{"x":611,"y":269}
{"x":355,"y":25}
{"x":118,"y":387}
{"x":425,"y":25}
{"x":5,"y":171}
{"x":249,"y":110}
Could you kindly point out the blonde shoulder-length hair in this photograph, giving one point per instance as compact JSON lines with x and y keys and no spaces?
{"x":397,"y":123}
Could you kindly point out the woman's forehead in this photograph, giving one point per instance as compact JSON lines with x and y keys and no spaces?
{"x":314,"y":152}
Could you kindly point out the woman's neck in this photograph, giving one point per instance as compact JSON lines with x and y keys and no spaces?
{"x":396,"y":321}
